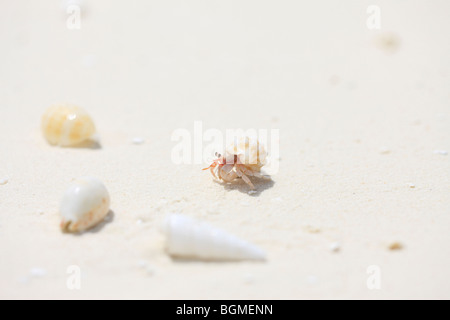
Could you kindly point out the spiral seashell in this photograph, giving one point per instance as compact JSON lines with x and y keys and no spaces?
{"x":67,"y":125}
{"x":189,"y":238}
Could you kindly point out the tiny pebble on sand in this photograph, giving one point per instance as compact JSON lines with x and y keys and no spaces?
{"x":335,"y":247}
{"x":312,"y":229}
{"x":138,"y":140}
{"x":395,"y":246}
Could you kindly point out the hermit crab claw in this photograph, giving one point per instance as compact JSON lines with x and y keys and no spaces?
{"x":211,"y":166}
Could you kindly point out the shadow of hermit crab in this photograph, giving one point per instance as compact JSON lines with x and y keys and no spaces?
{"x":261,"y":185}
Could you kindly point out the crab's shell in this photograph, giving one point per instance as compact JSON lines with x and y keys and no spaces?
{"x":249,"y":151}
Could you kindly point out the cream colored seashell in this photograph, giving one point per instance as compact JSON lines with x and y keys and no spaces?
{"x":67,"y":125}
{"x":84,"y":204}
{"x":189,"y":238}
{"x":248,"y":150}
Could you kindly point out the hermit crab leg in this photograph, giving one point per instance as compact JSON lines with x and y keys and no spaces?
{"x":255,"y":174}
{"x":212,"y":172}
{"x":252,"y":173}
{"x":218,"y":173}
{"x":211,"y":168}
{"x":247,"y":180}
{"x":241,"y":174}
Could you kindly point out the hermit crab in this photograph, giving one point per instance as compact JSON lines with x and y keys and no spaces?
{"x":243,"y":158}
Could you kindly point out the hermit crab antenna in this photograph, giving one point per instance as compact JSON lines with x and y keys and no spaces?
{"x":213,"y":165}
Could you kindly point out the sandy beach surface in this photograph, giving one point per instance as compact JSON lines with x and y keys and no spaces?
{"x":364,"y":131}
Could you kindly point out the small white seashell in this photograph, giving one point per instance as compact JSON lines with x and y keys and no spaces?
{"x":67,"y":125}
{"x":84,"y":204}
{"x":3,"y":181}
{"x":411,"y":185}
{"x":189,"y":238}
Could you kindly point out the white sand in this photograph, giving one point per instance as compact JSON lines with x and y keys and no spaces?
{"x":358,"y":123}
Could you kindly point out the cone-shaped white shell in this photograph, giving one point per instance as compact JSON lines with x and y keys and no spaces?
{"x":190,"y":238}
{"x":84,"y":204}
